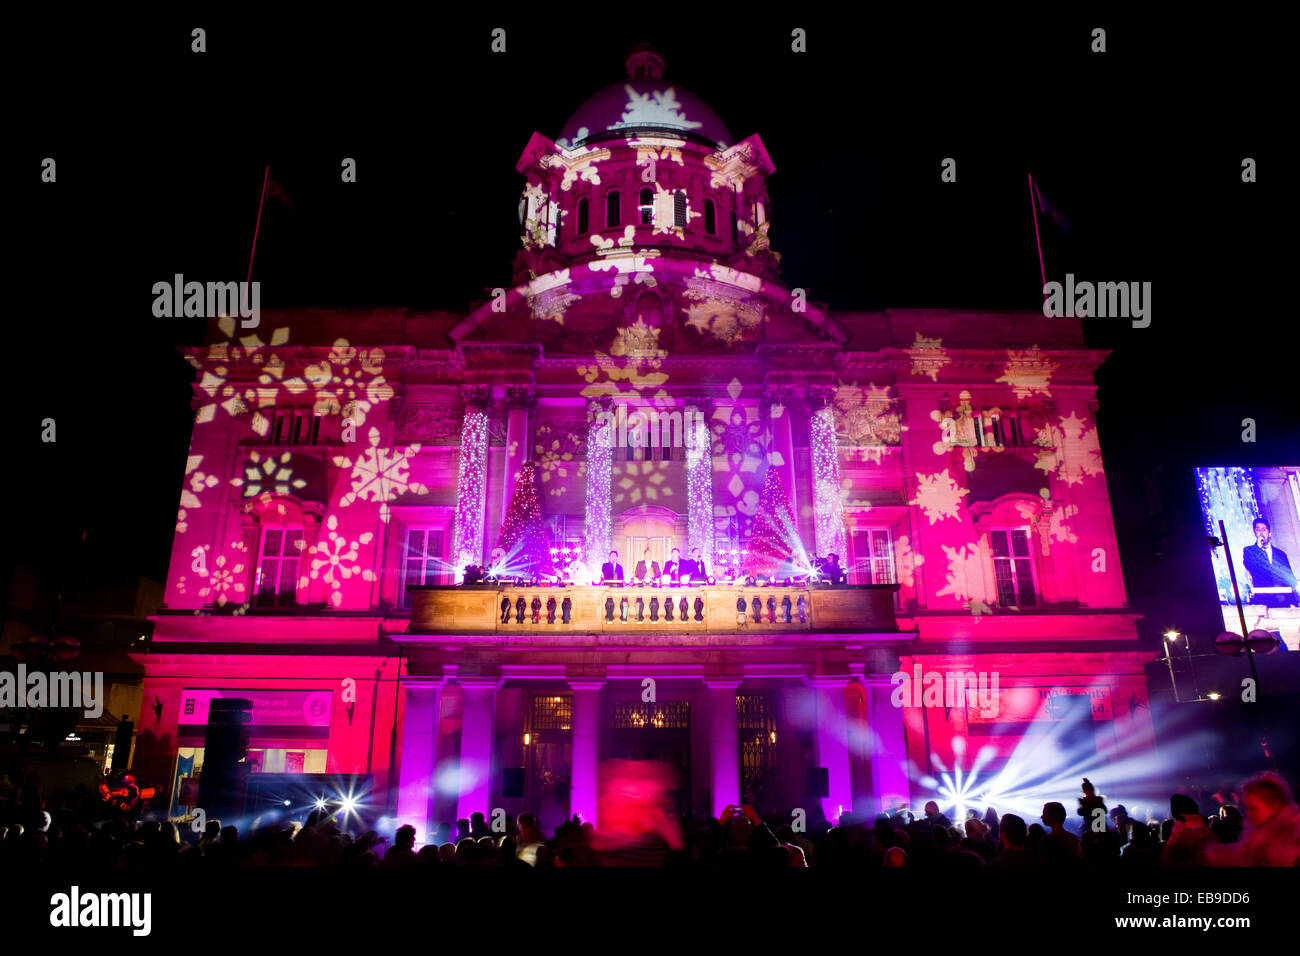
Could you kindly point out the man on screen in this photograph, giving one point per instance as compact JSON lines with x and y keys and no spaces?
{"x":1268,"y":567}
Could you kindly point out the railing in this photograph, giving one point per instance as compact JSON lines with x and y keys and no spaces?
{"x":517,"y":609}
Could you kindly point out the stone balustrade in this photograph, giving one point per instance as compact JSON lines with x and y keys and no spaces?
{"x":521,"y":609}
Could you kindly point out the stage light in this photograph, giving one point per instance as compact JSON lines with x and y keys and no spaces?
{"x":1171,"y":635}
{"x":320,"y":803}
{"x":528,"y":739}
{"x":1214,"y":695}
{"x":288,"y":803}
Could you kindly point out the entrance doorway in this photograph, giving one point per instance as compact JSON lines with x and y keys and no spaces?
{"x":660,"y":732}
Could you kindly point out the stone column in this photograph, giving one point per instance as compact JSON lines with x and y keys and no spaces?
{"x":586,"y":748}
{"x":724,"y":745}
{"x":830,"y":741}
{"x":520,"y":399}
{"x":477,"y":740}
{"x":699,"y":478}
{"x":419,"y":770}
{"x":888,"y":745}
{"x":467,"y":539}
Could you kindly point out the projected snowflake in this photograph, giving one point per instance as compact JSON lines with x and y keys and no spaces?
{"x":196,"y":483}
{"x":269,"y":474}
{"x":235,"y":399}
{"x":335,"y":560}
{"x":907,"y":560}
{"x":1070,"y":450}
{"x":938,"y":496}
{"x":349,"y":382}
{"x":928,"y":356}
{"x":965,"y":578}
{"x":381,"y":475}
{"x":225,"y":581}
{"x":1028,"y":372}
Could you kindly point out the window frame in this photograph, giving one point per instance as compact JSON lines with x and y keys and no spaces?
{"x":614,"y":198}
{"x":277,"y":601}
{"x":438,"y":561}
{"x":1011,"y":560}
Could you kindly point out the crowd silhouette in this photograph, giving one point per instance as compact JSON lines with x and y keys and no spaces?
{"x":1258,"y":827}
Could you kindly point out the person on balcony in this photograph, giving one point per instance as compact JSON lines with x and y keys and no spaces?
{"x":611,"y":572}
{"x":694,"y":567}
{"x":646,"y":569}
{"x":673,"y":569}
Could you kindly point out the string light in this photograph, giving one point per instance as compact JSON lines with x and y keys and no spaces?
{"x":523,"y":532}
{"x":699,"y":486}
{"x":467,"y":539}
{"x":829,"y":509}
{"x":599,"y":484}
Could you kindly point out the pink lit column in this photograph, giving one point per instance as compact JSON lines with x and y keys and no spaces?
{"x":830,"y":740}
{"x":519,"y":399}
{"x":477,"y":735}
{"x":724,"y":747}
{"x":467,"y":537}
{"x":586,"y":748}
{"x":419,"y":753}
{"x":888,"y":747}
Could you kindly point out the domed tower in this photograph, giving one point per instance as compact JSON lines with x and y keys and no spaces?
{"x":644,"y":165}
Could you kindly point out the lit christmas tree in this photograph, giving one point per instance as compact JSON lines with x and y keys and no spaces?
{"x":774,"y":539}
{"x":523,"y":537}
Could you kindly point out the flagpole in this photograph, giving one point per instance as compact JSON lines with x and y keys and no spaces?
{"x":266,"y":179}
{"x":1037,"y":239}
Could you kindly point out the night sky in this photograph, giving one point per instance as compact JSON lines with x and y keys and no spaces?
{"x":161,"y":155}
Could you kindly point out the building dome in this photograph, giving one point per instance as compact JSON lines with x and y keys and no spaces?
{"x":644,"y":102}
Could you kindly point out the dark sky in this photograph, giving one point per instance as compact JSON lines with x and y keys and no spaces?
{"x":161,"y":154}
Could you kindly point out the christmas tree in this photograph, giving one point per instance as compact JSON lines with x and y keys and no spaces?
{"x":774,"y":539}
{"x":523,"y":537}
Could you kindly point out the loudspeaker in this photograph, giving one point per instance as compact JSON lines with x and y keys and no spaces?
{"x":225,"y":743}
{"x":513,"y":783}
{"x":819,"y":782}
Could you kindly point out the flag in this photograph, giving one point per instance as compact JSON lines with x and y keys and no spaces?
{"x":1052,"y":212}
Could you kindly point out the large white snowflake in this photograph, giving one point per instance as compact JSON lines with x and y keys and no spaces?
{"x":1028,"y":372}
{"x":1059,"y":529}
{"x":335,"y":561}
{"x":928,"y":356}
{"x":965,"y":580}
{"x":196,"y":482}
{"x":236,"y":399}
{"x":1071,"y":450}
{"x":938,"y":496}
{"x":381,"y":475}
{"x":349,"y":382}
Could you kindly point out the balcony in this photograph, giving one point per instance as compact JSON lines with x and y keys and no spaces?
{"x":661,"y":611}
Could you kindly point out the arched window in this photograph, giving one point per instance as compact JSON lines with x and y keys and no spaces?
{"x":679,"y":209}
{"x":710,"y":218}
{"x":582,"y":217}
{"x":613,"y":209}
{"x":647,"y":207}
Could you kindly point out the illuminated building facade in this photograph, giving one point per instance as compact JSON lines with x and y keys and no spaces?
{"x":345,"y":466}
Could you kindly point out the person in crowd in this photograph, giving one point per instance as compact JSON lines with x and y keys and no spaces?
{"x":1013,"y":851}
{"x":1188,"y":836}
{"x":402,"y":852}
{"x":1272,"y":833}
{"x":1059,"y":848}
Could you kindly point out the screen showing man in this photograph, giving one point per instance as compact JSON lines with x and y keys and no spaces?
{"x":1259,"y":508}
{"x":1270,"y":570}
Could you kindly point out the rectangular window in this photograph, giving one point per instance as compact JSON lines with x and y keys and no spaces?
{"x":277,"y":567}
{"x":423,"y":560}
{"x":300,"y":426}
{"x":1013,"y":567}
{"x":873,"y":556}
